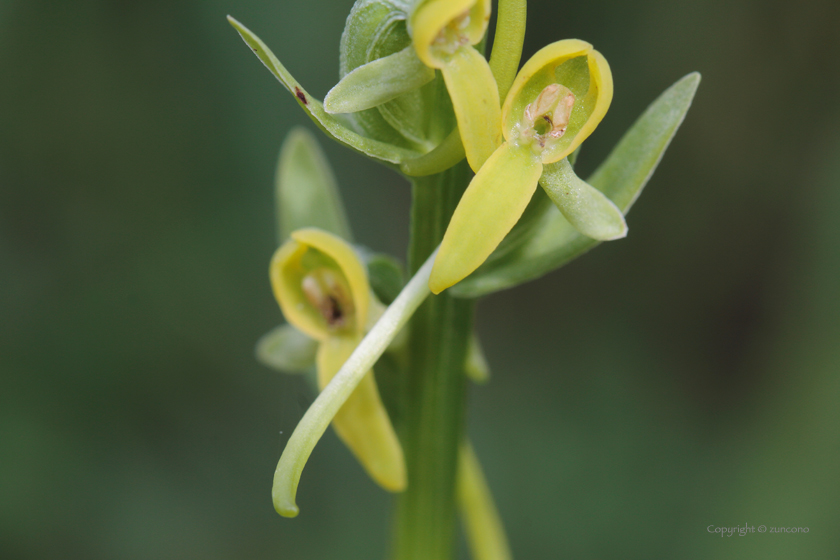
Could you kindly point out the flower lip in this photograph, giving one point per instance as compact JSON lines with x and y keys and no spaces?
{"x":320,"y":284}
{"x":575,"y":66}
{"x":440,"y":27}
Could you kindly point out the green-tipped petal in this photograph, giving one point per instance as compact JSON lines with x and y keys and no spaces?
{"x":491,"y":205}
{"x":362,"y":422}
{"x":584,"y":206}
{"x":379,"y":81}
{"x":475,"y":99}
{"x":306,"y":191}
{"x":313,"y":107}
{"x":286,"y":349}
{"x":482,"y":523}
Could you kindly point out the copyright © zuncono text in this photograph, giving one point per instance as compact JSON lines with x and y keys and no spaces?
{"x":746,"y":529}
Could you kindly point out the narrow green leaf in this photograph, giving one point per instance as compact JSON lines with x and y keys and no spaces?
{"x":286,"y":349}
{"x":630,"y":165}
{"x":377,"y":82}
{"x":621,"y":177}
{"x":583,"y":206}
{"x":306,"y":190}
{"x":330,"y":124}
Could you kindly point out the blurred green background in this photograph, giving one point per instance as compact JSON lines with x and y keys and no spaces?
{"x":684,"y":377}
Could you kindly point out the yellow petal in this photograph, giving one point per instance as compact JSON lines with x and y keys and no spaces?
{"x":362,"y":422}
{"x":575,"y":65}
{"x":432,"y":17}
{"x":491,"y":205}
{"x":289,"y":268}
{"x":601,"y":77}
{"x":475,"y":98}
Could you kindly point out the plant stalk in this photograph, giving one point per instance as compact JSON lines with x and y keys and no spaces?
{"x":433,"y":394}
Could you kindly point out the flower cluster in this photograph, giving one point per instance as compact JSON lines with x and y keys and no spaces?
{"x":417,"y":94}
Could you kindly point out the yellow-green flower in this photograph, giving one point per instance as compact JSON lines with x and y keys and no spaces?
{"x":323,"y":290}
{"x":556,"y":101}
{"x":443,"y":32}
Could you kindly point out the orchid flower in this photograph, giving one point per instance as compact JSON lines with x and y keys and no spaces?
{"x":443,"y":33}
{"x":556,"y":101}
{"x":323,"y":291}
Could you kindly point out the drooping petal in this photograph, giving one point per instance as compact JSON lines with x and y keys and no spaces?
{"x":584,"y":206}
{"x":504,"y":62}
{"x":362,"y":422}
{"x":475,"y":99}
{"x":379,"y":81}
{"x":491,"y":205}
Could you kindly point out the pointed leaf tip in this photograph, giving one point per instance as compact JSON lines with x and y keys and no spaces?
{"x":306,"y":192}
{"x":332,"y":126}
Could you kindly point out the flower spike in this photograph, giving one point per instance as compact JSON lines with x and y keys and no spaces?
{"x":554,"y":104}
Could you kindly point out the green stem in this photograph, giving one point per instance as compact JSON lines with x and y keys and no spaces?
{"x":433,"y":398}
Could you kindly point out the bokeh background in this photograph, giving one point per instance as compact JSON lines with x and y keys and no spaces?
{"x":684,"y":377}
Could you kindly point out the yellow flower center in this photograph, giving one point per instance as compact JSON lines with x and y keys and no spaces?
{"x":545,"y":120}
{"x":452,"y":36}
{"x":328,"y":292}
